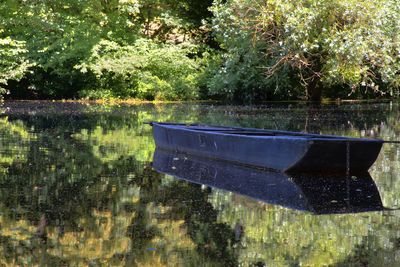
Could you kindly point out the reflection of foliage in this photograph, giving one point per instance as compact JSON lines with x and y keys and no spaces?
{"x":109,"y":146}
{"x":87,"y":187}
{"x":14,"y":140}
{"x":213,"y":240}
{"x":281,"y":237}
{"x":82,"y":192}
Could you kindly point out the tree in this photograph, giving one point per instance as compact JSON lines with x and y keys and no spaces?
{"x":317,"y":44}
{"x":13,"y":63}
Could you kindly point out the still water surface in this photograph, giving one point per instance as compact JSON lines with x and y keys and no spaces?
{"x":78,"y":188}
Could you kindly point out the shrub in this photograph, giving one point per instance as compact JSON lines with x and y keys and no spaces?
{"x":13,"y":64}
{"x":315,"y":44}
{"x":144,"y":70}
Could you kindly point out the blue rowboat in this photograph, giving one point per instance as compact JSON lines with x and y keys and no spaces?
{"x":276,"y":150}
{"x":316,"y":193}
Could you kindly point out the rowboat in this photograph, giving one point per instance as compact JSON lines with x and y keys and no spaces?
{"x":270,"y":149}
{"x":315,"y":193}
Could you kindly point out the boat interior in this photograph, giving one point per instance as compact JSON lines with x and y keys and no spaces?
{"x":258,"y":132}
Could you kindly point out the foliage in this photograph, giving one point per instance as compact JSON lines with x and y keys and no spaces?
{"x":60,"y":36}
{"x":13,"y":64}
{"x":173,"y":19}
{"x":144,"y":70}
{"x":262,"y":49}
{"x":316,"y":44}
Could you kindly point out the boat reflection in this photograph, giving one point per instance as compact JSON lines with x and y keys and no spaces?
{"x":319,"y":194}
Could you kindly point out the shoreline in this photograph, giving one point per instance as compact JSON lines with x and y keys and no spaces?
{"x":141,"y":102}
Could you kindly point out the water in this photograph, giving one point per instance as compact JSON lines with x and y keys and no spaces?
{"x":77,"y":188}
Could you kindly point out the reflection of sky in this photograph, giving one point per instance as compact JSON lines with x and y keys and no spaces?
{"x":85,"y":169}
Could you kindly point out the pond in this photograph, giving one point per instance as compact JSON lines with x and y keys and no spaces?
{"x":78,"y":188}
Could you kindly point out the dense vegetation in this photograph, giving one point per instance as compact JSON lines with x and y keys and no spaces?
{"x":244,"y":50}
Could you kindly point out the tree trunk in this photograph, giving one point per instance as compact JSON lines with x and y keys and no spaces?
{"x":314,"y":91}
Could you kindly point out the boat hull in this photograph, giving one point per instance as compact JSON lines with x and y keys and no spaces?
{"x":282,"y":151}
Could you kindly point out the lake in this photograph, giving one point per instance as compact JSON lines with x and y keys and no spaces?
{"x":78,"y":187}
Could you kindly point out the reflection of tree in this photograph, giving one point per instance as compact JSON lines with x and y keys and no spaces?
{"x":370,"y":253}
{"x":14,"y":142}
{"x":60,"y":192}
{"x":345,"y":119}
{"x":66,"y":189}
{"x":87,"y":174}
{"x":141,"y":231}
{"x":75,"y":186}
{"x":213,"y":240}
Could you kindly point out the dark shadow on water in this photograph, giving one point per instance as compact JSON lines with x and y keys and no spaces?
{"x":316,"y":193}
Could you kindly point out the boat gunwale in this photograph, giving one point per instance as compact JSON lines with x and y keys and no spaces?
{"x":288,"y":135}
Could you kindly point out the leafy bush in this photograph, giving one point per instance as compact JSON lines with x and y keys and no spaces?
{"x":269,"y":49}
{"x":13,"y":64}
{"x":314,"y":43}
{"x":143,"y":70}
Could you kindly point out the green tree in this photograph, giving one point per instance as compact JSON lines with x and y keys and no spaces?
{"x":310,"y":44}
{"x":57,"y":35}
{"x":13,"y":63}
{"x":65,"y":43}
